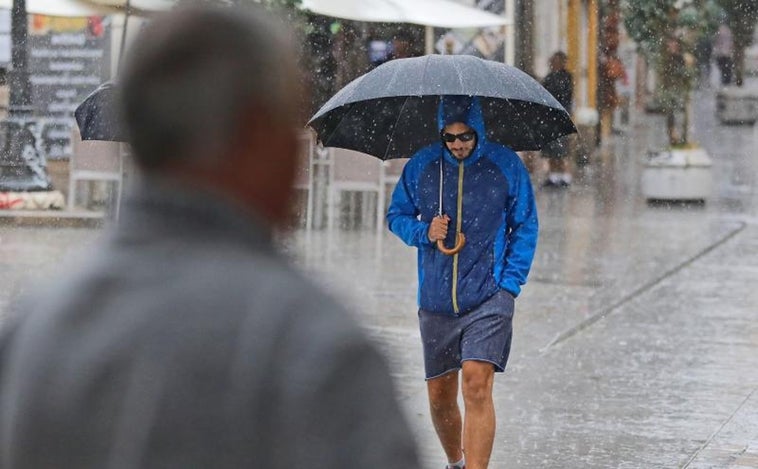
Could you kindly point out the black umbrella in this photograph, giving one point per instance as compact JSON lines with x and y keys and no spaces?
{"x":97,"y":116}
{"x":390,"y":112}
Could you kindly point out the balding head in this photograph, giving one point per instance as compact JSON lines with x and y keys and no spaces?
{"x":207,"y":91}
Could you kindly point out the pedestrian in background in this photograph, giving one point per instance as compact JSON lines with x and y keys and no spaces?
{"x":703,"y":57}
{"x":723,"y":48}
{"x":466,"y":300}
{"x":187,"y":340}
{"x":560,"y":84}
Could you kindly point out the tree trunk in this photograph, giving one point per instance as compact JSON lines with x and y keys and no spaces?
{"x":687,"y":118}
{"x":671,"y":127}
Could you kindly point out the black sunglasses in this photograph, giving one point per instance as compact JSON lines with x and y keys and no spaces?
{"x":464,"y":137}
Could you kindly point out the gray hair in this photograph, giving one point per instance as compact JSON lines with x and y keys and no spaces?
{"x":192,"y":74}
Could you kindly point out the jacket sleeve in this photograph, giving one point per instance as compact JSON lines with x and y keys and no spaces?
{"x":403,"y":213}
{"x":522,"y":226}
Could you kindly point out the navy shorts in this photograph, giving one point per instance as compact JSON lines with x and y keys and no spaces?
{"x":483,"y":334}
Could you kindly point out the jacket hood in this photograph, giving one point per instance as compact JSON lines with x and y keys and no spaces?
{"x":468,"y":110}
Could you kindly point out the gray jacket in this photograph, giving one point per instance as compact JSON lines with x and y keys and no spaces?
{"x":188,"y":342}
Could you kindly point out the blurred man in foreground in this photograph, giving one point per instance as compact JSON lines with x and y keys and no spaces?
{"x":188,"y":341}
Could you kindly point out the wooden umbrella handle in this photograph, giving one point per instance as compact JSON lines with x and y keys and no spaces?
{"x":460,"y":241}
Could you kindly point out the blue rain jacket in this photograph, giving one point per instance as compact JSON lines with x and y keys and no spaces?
{"x":499,"y":220}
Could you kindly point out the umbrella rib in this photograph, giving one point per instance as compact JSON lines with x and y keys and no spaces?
{"x":508,"y":101}
{"x":342,"y":118}
{"x":460,"y":76}
{"x":426,"y":68}
{"x":528,"y":128}
{"x":496,"y":79}
{"x":394,"y":128}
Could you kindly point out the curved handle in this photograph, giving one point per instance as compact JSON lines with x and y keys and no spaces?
{"x":460,"y":241}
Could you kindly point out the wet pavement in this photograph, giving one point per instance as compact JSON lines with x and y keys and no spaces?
{"x":636,"y":338}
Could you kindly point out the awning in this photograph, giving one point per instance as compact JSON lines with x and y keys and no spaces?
{"x":76,"y":8}
{"x":437,"y":13}
{"x":136,"y":5}
{"x":73,"y":8}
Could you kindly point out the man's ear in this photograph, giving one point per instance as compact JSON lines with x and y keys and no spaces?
{"x":263,"y":170}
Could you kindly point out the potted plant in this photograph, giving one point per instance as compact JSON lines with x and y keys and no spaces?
{"x":666,"y":32}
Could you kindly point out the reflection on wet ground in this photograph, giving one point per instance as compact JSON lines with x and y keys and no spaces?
{"x":30,"y":256}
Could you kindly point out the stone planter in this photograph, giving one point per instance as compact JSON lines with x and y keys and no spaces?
{"x":677,"y":175}
{"x":737,"y":106}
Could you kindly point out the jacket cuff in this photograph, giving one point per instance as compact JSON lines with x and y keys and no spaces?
{"x":424,"y":235}
{"x":511,"y":286}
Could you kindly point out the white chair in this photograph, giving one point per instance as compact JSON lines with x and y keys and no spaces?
{"x":352,"y":172}
{"x":93,"y":160}
{"x":389,"y":176}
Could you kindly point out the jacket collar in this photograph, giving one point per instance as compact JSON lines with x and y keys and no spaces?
{"x":158,"y":208}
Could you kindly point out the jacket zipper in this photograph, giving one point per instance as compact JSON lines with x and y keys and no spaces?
{"x":458,"y":226}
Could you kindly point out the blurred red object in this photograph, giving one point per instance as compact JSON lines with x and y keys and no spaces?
{"x":95,"y":26}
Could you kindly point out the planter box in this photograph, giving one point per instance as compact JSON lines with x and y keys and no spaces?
{"x":677,"y":175}
{"x":737,"y":106}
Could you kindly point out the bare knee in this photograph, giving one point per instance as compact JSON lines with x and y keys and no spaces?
{"x":478,"y":378}
{"x":443,"y":392}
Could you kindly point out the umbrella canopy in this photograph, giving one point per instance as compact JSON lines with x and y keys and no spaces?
{"x":391,"y":111}
{"x":96,"y":115}
{"x":439,"y":13}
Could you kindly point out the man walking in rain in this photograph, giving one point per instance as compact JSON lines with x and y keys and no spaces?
{"x":188,"y":341}
{"x":465,"y":188}
{"x":560,"y":83}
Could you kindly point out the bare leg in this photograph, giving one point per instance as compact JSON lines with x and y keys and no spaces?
{"x":560,"y":172}
{"x":531,"y":160}
{"x":479,"y":424}
{"x":559,"y":165}
{"x":446,"y":416}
